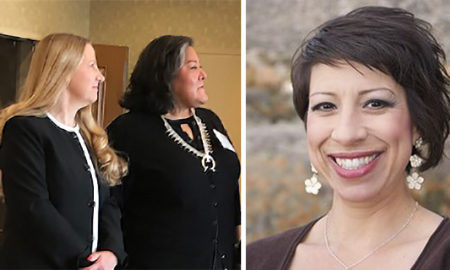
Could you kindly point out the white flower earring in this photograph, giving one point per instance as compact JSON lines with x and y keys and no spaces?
{"x":414,"y":180}
{"x":312,"y":185}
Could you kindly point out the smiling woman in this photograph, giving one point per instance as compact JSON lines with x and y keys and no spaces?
{"x":359,"y":128}
{"x":376,"y":108}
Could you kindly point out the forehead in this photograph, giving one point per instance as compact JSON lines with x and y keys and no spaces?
{"x":89,"y":52}
{"x":349,"y":77}
{"x":190,"y":54}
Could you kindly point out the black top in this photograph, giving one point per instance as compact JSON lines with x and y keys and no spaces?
{"x":276,"y":252}
{"x":49,"y":199}
{"x":174,"y":214}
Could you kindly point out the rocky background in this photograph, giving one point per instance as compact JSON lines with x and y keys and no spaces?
{"x":277,"y":161}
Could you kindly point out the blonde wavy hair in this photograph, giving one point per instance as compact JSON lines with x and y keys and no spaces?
{"x":55,"y":59}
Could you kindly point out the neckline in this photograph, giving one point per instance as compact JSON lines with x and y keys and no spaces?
{"x":307,"y":228}
{"x":207,"y":161}
{"x":181,"y":121}
{"x":63,"y":126}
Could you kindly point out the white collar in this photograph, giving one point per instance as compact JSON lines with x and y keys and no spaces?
{"x":63,"y":126}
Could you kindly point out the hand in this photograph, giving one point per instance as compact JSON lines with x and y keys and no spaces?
{"x":104,"y":260}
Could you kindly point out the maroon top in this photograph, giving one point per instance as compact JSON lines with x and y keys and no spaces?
{"x":276,"y":252}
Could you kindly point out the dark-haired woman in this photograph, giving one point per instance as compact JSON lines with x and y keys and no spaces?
{"x":181,"y":198}
{"x":373,"y":92}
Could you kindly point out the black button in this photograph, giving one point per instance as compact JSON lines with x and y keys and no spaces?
{"x":212,"y":186}
{"x":87,"y":168}
{"x":214,"y":222}
{"x":91,"y":204}
{"x":223,"y":256}
{"x":74,"y":135}
{"x":91,"y":238}
{"x":215,"y":241}
{"x":215,"y":204}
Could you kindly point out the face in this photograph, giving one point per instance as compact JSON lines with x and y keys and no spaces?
{"x":359,"y":132}
{"x":189,"y":84}
{"x":83,"y":85}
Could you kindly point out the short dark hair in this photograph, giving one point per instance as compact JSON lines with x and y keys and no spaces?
{"x":396,"y":43}
{"x":149,"y":89}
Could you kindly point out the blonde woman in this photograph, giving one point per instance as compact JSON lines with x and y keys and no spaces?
{"x":56,"y":166}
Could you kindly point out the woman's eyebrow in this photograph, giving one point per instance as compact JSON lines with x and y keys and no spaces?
{"x":322,"y":93}
{"x":361,"y":93}
{"x":366,"y":91}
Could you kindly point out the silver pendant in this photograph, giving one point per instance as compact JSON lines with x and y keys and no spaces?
{"x":208,"y":163}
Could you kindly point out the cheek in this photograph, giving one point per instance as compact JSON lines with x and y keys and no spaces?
{"x":317,"y":132}
{"x":192,"y":82}
{"x":74,"y":85}
{"x":396,"y":128}
{"x":80,"y":79}
{"x":184,"y":86}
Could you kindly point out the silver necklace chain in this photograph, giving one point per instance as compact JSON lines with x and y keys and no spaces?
{"x":382,"y":244}
{"x":207,"y":161}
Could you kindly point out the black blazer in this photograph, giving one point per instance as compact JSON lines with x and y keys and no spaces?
{"x":174,"y":215}
{"x":49,"y":199}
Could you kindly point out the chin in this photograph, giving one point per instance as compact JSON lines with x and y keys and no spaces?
{"x":93,"y":99}
{"x":202,"y":101}
{"x":356,"y":196}
{"x":89,"y":102}
{"x":359,"y":193}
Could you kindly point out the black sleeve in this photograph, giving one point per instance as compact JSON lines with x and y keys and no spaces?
{"x":23,"y":169}
{"x":112,"y":210}
{"x":110,"y":231}
{"x":114,"y":134}
{"x":237,"y":205}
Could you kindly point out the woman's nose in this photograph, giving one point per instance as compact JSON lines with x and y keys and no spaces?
{"x":100,"y":77}
{"x":349,"y":129}
{"x":203,"y":74}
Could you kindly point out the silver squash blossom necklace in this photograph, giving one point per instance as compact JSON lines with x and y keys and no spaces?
{"x":384,"y":243}
{"x":207,"y":161}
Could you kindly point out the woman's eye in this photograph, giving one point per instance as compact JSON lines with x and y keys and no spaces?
{"x":324,"y":106}
{"x":194,"y":67}
{"x":377,"y":104}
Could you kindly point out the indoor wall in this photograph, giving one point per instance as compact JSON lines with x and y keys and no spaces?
{"x":213,"y":24}
{"x":35,"y":19}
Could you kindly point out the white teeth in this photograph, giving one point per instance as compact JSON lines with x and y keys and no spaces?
{"x":354,"y":163}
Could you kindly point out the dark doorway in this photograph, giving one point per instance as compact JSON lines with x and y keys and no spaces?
{"x":15,"y":56}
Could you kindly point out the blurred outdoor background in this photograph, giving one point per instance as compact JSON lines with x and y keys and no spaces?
{"x":277,"y":161}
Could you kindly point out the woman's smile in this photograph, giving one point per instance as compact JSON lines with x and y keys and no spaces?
{"x":354,"y":164}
